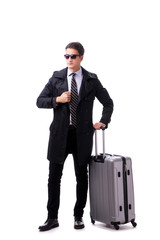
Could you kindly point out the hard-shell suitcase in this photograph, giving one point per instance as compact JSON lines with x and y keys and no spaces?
{"x":111,"y":188}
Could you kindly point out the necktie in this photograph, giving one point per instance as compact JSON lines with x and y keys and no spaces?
{"x":74,"y":100}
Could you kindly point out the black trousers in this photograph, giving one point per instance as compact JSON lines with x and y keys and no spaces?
{"x":54,"y":181}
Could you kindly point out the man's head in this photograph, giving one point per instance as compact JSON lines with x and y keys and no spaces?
{"x":74,"y":55}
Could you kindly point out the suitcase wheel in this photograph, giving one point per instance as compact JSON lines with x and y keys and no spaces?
{"x":116,"y":226}
{"x":92,"y":221}
{"x":134,"y":224}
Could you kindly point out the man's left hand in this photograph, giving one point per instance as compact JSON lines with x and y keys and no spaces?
{"x":98,"y":125}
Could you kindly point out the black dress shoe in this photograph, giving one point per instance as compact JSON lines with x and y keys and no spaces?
{"x":78,"y":223}
{"x":49,"y":224}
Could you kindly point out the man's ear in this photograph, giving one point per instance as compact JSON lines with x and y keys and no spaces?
{"x":81,"y":58}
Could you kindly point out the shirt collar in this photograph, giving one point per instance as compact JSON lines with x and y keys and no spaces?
{"x":78,"y":73}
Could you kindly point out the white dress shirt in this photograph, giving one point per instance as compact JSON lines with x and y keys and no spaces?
{"x":78,"y":77}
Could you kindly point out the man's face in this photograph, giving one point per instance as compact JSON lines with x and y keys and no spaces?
{"x":73,"y":64}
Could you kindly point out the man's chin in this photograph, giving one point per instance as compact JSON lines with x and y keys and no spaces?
{"x":70,"y":66}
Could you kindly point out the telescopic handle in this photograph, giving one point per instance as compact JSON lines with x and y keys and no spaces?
{"x":103,"y":141}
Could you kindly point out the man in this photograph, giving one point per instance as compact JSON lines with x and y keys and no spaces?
{"x":71,"y":92}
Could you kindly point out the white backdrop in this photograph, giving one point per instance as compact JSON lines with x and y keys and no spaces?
{"x":121,"y":39}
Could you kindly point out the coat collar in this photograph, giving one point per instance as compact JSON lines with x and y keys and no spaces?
{"x":86,"y":86}
{"x":63,"y":74}
{"x":88,"y":75}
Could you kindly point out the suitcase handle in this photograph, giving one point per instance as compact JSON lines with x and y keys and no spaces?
{"x":96,"y":148}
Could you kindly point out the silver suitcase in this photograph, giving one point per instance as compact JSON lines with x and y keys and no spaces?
{"x":111,"y":188}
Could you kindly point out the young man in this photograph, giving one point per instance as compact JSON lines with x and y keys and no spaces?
{"x":71,"y":93}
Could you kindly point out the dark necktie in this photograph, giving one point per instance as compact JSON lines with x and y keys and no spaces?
{"x":74,"y":100}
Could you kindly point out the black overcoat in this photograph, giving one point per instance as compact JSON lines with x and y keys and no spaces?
{"x":90,"y":88}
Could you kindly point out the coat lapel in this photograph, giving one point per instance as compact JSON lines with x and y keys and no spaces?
{"x":82,"y":92}
{"x":86,"y":85}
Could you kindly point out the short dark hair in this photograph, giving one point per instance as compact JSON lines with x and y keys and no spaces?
{"x":77,"y":46}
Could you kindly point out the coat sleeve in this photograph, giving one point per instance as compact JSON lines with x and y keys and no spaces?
{"x":104,"y":98}
{"x":46,"y":98}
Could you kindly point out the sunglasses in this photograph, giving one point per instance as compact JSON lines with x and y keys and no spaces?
{"x":72,"y":56}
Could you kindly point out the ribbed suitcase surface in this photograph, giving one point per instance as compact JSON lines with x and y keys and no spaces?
{"x":111,"y":190}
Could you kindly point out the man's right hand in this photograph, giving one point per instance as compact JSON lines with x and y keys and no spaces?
{"x":64,"y":98}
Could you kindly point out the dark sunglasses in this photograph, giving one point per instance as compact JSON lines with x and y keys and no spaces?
{"x":72,"y":56}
